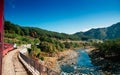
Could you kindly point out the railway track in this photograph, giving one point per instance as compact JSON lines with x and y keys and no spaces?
{"x":11,"y":65}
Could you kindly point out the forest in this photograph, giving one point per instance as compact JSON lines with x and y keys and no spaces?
{"x":38,"y":32}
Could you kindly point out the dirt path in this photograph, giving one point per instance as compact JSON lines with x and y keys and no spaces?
{"x":11,"y":64}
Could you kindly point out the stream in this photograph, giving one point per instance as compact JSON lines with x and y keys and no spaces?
{"x":82,"y":66}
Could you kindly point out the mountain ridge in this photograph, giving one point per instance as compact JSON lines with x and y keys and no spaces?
{"x":110,"y":32}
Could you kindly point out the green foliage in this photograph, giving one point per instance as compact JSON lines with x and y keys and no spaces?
{"x":36,"y":40}
{"x":12,"y":36}
{"x":18,"y":39}
{"x":29,"y":50}
{"x":53,"y":45}
{"x":50,"y":44}
{"x":47,"y":47}
{"x":72,"y":45}
{"x":67,"y":44}
{"x":36,"y":32}
{"x":109,"y":47}
{"x":38,"y":55}
{"x":76,"y":45}
{"x":42,"y":58}
{"x":34,"y":51}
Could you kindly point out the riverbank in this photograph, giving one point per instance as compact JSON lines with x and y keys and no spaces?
{"x":60,"y":58}
{"x":82,"y":66}
{"x":88,"y":49}
{"x":67,"y":57}
{"x":108,"y":66}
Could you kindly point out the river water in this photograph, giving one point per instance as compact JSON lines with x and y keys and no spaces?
{"x":82,"y":66}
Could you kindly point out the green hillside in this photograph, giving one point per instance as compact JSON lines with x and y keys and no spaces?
{"x":42,"y":41}
{"x":36,"y":32}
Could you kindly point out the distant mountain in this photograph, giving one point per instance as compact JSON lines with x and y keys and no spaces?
{"x":103,"y":33}
{"x":99,"y":33}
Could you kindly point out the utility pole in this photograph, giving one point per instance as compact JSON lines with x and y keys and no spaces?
{"x":1,"y":32}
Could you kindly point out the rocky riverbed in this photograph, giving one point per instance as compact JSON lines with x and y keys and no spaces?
{"x":72,"y":62}
{"x":61,"y":58}
{"x":82,"y":65}
{"x":78,"y":62}
{"x":69,"y":57}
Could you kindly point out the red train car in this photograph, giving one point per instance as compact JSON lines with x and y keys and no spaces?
{"x":7,"y":47}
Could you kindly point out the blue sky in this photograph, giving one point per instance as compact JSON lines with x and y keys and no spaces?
{"x":68,"y":16}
